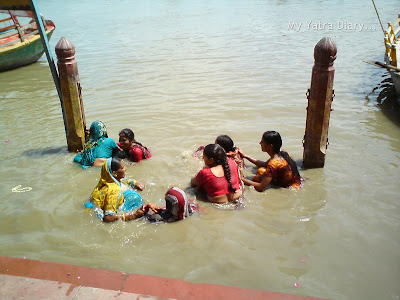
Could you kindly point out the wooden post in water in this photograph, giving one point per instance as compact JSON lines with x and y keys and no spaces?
{"x":72,"y":97}
{"x":320,"y":97}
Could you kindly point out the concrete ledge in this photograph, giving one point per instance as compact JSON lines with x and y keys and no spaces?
{"x":32,"y":279}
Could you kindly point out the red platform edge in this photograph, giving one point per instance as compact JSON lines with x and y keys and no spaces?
{"x":131,"y":283}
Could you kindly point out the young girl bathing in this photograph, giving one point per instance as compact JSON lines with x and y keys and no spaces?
{"x":177,"y":207}
{"x":231,"y":150}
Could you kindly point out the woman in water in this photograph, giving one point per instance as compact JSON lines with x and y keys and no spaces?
{"x":133,"y":150}
{"x":220,"y":177}
{"x":280,"y":169}
{"x":108,"y":198}
{"x":98,"y":148}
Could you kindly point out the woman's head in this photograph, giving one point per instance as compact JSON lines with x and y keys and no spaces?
{"x":97,"y":130}
{"x":225,"y":142}
{"x":126,"y":138}
{"x":118,"y":168}
{"x":272,"y":138}
{"x":214,"y":154}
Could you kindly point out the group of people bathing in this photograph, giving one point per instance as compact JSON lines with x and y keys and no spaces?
{"x":221,"y":179}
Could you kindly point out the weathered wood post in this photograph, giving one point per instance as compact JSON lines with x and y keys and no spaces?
{"x":320,"y":96}
{"x":72,"y":97}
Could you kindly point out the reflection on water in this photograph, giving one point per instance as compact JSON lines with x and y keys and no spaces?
{"x":42,"y":152}
{"x":386,"y":98}
{"x":180,"y":74}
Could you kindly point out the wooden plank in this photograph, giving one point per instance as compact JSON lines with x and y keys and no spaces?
{"x":396,"y":22}
{"x":5,"y":20}
{"x":9,"y":33}
{"x":382,"y":65}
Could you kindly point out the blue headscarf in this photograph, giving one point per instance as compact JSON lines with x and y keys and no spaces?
{"x":98,"y":133}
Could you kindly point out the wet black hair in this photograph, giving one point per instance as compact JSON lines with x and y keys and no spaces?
{"x":225,"y":142}
{"x":121,"y":154}
{"x":218,"y":153}
{"x":274,"y":138}
{"x":128,"y":133}
{"x":115,"y":164}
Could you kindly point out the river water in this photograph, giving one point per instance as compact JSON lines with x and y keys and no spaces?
{"x":179,"y":73}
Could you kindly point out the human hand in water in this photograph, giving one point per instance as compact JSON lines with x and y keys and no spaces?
{"x":139,"y":186}
{"x":153,"y":207}
{"x":139,"y":213}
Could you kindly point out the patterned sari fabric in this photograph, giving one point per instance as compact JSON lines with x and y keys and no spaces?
{"x":280,"y":172}
{"x":237,"y":158}
{"x":98,"y":145}
{"x":108,"y":197}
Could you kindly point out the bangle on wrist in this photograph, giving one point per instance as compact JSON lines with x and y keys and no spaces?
{"x":123,"y":217}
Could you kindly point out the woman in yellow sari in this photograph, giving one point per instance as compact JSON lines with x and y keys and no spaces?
{"x":108,"y":198}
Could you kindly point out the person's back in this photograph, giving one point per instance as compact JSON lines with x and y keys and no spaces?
{"x":106,"y":148}
{"x":220,"y":178}
{"x":214,"y":182}
{"x":98,"y":148}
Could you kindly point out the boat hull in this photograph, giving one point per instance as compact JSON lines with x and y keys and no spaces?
{"x":396,"y":81}
{"x":23,"y":53}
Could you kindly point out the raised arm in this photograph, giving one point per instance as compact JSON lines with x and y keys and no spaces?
{"x":258,"y":163}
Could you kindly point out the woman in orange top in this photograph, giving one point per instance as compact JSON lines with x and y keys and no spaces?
{"x":280,"y":169}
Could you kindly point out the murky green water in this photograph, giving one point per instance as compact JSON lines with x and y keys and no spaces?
{"x":179,"y":73}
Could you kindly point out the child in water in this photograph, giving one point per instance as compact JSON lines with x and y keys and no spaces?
{"x":231,"y":150}
{"x":178,"y":207}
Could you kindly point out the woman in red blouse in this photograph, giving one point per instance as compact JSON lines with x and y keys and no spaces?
{"x":220,"y":177}
{"x":134,"y":150}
